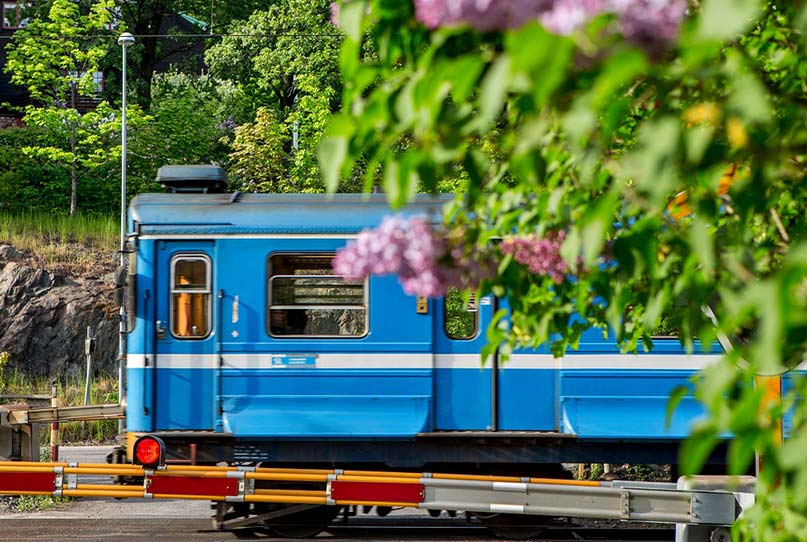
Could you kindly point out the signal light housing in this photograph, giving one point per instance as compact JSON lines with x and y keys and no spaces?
{"x":149,"y":451}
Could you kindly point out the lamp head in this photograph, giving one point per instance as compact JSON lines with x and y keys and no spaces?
{"x":126,"y":39}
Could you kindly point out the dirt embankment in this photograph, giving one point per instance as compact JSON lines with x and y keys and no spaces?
{"x":45,"y":311}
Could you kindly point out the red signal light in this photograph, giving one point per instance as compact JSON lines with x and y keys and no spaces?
{"x":149,"y":451}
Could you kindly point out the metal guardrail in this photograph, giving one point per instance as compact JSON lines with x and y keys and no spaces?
{"x":628,"y":501}
{"x":65,"y":414}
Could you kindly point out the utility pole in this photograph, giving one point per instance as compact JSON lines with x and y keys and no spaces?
{"x":125,"y":40}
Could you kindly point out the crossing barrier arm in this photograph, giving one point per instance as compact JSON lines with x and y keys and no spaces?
{"x":699,"y":507}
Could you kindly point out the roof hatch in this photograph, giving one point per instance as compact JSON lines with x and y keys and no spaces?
{"x":200,"y":179}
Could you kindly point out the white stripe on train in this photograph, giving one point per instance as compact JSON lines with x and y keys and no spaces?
{"x":356,"y":360}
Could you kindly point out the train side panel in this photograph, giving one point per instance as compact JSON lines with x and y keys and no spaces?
{"x":391,"y":388}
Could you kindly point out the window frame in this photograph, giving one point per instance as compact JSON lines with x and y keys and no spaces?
{"x":365,"y":306}
{"x":208,"y":290}
{"x":477,"y":327}
{"x":16,"y":24}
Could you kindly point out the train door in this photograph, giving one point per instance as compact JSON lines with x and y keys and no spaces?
{"x":185,"y":335}
{"x":307,"y":354}
{"x":464,"y":388}
{"x":518,"y":394}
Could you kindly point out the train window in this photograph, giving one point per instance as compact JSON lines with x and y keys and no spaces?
{"x":460,"y":311}
{"x":190,"y":296}
{"x":667,"y":330}
{"x":306,"y":298}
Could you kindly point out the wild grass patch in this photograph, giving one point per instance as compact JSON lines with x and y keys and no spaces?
{"x":103,"y":390}
{"x":78,"y":245}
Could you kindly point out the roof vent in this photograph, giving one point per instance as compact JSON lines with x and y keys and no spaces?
{"x":200,"y":179}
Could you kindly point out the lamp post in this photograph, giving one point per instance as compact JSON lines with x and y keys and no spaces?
{"x":125,"y":40}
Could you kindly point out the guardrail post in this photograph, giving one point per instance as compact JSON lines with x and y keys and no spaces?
{"x":743,"y":488}
{"x":54,"y":426}
{"x":89,"y":348}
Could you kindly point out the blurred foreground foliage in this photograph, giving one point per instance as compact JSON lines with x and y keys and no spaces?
{"x":677,"y":173}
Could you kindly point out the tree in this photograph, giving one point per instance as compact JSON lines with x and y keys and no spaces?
{"x":284,"y":62}
{"x":262,"y":158}
{"x":648,"y":162}
{"x":267,"y":54}
{"x":56,"y":59}
{"x":147,"y":19}
{"x":258,"y":157}
{"x":188,"y":120}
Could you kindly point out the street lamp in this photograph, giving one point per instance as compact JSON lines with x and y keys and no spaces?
{"x":125,"y":40}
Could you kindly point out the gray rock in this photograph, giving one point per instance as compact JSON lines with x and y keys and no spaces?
{"x":10,"y":254}
{"x":44,"y":317}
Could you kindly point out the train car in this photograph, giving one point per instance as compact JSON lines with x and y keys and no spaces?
{"x":243,"y":346}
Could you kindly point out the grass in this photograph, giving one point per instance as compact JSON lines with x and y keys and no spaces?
{"x":103,"y":390}
{"x":83,"y":246}
{"x":32,"y":503}
{"x":76,"y":245}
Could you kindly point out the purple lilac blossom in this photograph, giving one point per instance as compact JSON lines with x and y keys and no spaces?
{"x":335,"y":14}
{"x":540,"y":255}
{"x":643,"y":21}
{"x":650,"y":21}
{"x":411,"y":248}
{"x":228,"y":124}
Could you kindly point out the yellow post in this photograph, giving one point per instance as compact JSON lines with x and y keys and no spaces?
{"x":771,"y":387}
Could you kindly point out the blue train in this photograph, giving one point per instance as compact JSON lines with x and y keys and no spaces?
{"x":245,"y":347}
{"x":242,"y":338}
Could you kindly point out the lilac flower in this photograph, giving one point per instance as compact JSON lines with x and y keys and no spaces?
{"x":423,"y":258}
{"x":228,"y":124}
{"x":335,"y":14}
{"x":650,"y":21}
{"x":565,"y":16}
{"x":540,"y":255}
{"x":483,"y":15}
{"x":647,"y":22}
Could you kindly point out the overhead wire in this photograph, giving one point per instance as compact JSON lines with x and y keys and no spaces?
{"x":184,"y":36}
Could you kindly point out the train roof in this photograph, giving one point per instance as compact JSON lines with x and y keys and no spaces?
{"x":159,"y":214}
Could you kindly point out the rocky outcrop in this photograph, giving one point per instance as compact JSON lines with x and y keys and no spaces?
{"x":44,"y":317}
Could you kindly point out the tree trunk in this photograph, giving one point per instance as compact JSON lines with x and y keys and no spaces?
{"x":148,"y":27}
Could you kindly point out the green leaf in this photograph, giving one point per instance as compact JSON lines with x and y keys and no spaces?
{"x":770,"y":299}
{"x":596,"y":225}
{"x":702,"y":243}
{"x":653,"y":164}
{"x":750,"y":99}
{"x":540,"y":58}
{"x":332,"y":155}
{"x":741,"y":453}
{"x":725,"y":19}
{"x":571,"y":247}
{"x":464,"y":75}
{"x":676,"y":395}
{"x":696,"y":449}
{"x":792,"y":454}
{"x":697,"y":140}
{"x":655,"y":306}
{"x":580,"y":121}
{"x":493,"y":92}
{"x":350,"y":18}
{"x":621,"y":69}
